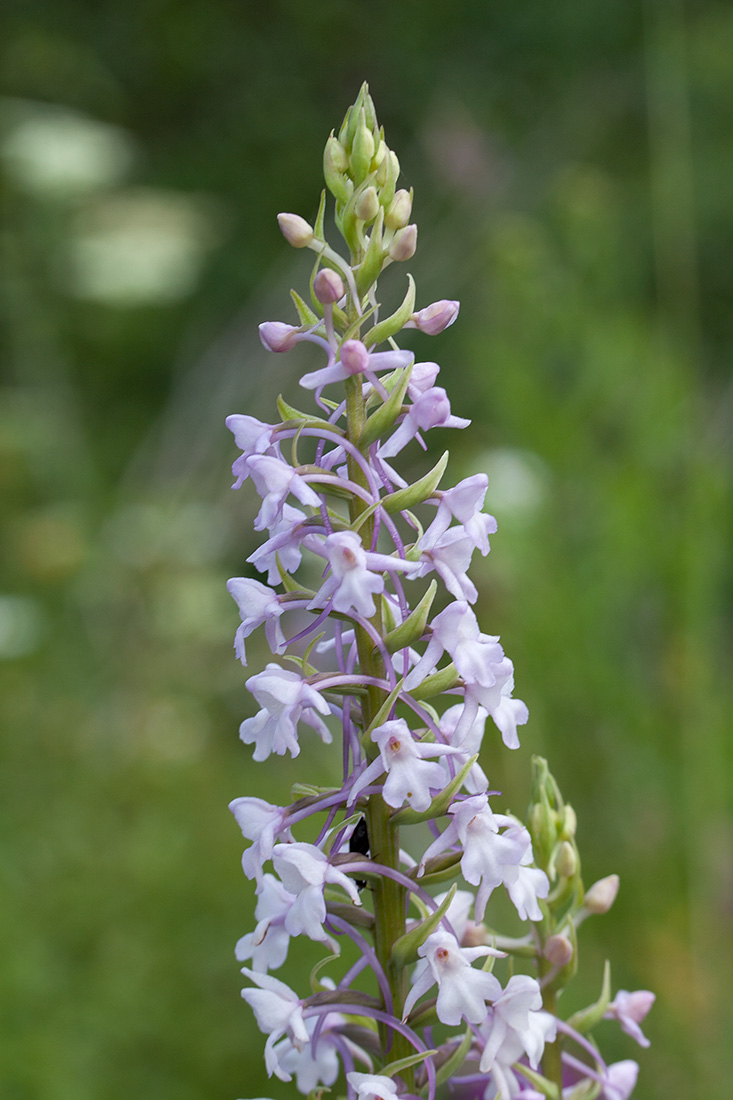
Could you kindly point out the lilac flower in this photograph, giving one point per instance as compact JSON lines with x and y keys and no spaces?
{"x":508,"y":1022}
{"x":430,"y":410}
{"x":462,"y":991}
{"x":480,"y":661}
{"x":278,"y":1012}
{"x":422,"y":378}
{"x":487,"y":853}
{"x":355,"y":359}
{"x":252,"y":437}
{"x":352,"y":583}
{"x":257,"y":604}
{"x":464,"y":503}
{"x":509,"y":713}
{"x":372,"y":1086}
{"x":305,"y":870}
{"x":410,"y":776}
{"x":525,"y":884}
{"x":267,"y":946}
{"x":510,"y":1032}
{"x":312,"y":1067}
{"x":619,"y":1080}
{"x":274,"y":481}
{"x":476,"y":781}
{"x":286,"y":698}
{"x":630,"y":1009}
{"x":450,"y":556}
{"x":262,"y":823}
{"x":285,"y":543}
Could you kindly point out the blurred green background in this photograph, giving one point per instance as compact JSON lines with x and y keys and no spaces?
{"x":572,"y":166}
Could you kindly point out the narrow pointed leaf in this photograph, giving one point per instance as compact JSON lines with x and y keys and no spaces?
{"x":547,"y":1088}
{"x":404,"y":951}
{"x":390,"y":326}
{"x":404,"y":1063}
{"x":316,"y":986}
{"x":305,"y":313}
{"x":587,"y":1018}
{"x":440,"y":681}
{"x":383,"y":713}
{"x":383,"y":419}
{"x":419,"y":492}
{"x":439,"y":869}
{"x":371,"y":265}
{"x":454,"y":1062}
{"x":318,"y":228}
{"x":414,"y":625}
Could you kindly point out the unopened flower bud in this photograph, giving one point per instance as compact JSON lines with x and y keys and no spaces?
{"x":568,"y":822}
{"x":399,"y":210}
{"x":327,"y":286}
{"x":435,"y":318}
{"x":362,"y":150}
{"x":403,"y":244}
{"x":295,"y":230}
{"x":367,"y":206}
{"x":354,"y":356}
{"x":335,"y":165}
{"x":277,"y":336}
{"x":541,"y":823}
{"x":475,"y":935}
{"x":602,"y":894}
{"x":566,"y":860}
{"x":558,"y":950}
{"x":336,"y":154}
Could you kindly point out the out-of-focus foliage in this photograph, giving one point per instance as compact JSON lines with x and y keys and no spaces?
{"x":572,"y":166}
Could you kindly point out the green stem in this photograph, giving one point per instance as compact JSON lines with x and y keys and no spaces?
{"x":552,"y":1056}
{"x":389,"y":898}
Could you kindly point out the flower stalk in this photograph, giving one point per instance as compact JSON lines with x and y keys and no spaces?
{"x":393,"y":666}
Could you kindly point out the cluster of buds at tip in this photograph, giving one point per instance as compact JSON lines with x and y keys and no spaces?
{"x":364,"y":596}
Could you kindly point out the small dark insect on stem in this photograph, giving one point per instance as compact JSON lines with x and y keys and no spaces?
{"x":359,"y":842}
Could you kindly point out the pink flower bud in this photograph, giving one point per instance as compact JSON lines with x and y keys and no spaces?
{"x":404,"y":244}
{"x":435,"y":318}
{"x":558,"y":950}
{"x":354,"y":356}
{"x":602,"y":894}
{"x":327,"y":286}
{"x":295,"y":230}
{"x":277,"y":336}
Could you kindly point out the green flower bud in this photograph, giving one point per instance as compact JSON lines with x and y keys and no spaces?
{"x":566,"y":860}
{"x":370,"y":113}
{"x":367,"y":205}
{"x":541,"y":825}
{"x":387,"y":175}
{"x":399,"y":210}
{"x":295,"y":230}
{"x":335,"y":165}
{"x":568,"y":823}
{"x":362,"y":150}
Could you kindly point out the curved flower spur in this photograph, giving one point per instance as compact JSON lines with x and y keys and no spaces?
{"x":438,"y":996}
